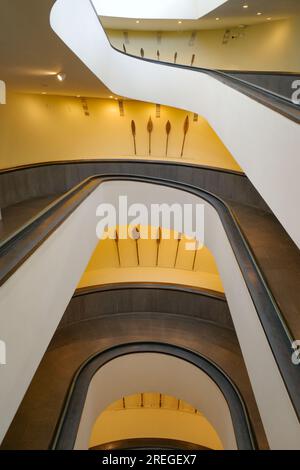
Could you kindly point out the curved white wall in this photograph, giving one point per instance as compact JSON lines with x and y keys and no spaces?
{"x":154,"y":372}
{"x":264,"y":143}
{"x":157,"y":9}
{"x":34,"y":298}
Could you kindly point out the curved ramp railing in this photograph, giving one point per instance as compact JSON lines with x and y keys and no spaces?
{"x":66,"y":432}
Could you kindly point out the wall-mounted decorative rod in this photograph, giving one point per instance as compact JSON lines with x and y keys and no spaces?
{"x":124,"y":48}
{"x":179,"y":236}
{"x":150,"y":129}
{"x":168,"y":130}
{"x":117,"y":246}
{"x":158,"y":54}
{"x":133,"y":131}
{"x":185,"y":131}
{"x":193,"y":59}
{"x":195,"y":255}
{"x":175,"y":57}
{"x":142,"y":52}
{"x":136,"y":236}
{"x":158,"y":245}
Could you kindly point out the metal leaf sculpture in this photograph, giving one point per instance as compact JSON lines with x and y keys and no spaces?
{"x":133,"y":131}
{"x":142,"y":52}
{"x":124,"y":49}
{"x":193,"y":59}
{"x":168,"y":130}
{"x":175,"y":57}
{"x":150,"y":130}
{"x":157,"y":54}
{"x":185,"y":131}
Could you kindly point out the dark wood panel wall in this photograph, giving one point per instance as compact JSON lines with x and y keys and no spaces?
{"x":42,"y":180}
{"x":114,"y":299}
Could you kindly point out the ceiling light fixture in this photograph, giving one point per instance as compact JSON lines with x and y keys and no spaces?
{"x":61,"y":77}
{"x":259,"y":13}
{"x":217,"y":19}
{"x":111,"y":97}
{"x":245,"y":6}
{"x":269,"y":19}
{"x":137,"y":21}
{"x":179,"y":22}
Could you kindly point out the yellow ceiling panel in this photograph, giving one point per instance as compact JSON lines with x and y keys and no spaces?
{"x":105,"y":255}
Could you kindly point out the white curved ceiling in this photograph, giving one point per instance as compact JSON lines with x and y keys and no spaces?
{"x":31,"y":54}
{"x":159,"y":9}
{"x":230,"y":14}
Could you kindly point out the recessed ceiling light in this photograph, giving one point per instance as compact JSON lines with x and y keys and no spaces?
{"x":269,"y":19}
{"x":137,"y":21}
{"x":245,"y":6}
{"x":61,"y":77}
{"x":44,"y":93}
{"x":259,"y":13}
{"x":179,"y":22}
{"x":78,"y":96}
{"x":111,"y":97}
{"x":217,"y":19}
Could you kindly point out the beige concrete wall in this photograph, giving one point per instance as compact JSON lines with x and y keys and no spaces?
{"x":269,"y":46}
{"x":37,"y":128}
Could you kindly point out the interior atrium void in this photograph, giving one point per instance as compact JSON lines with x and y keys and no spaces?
{"x":149,"y":229}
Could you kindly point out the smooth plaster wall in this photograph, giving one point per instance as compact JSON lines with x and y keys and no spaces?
{"x":153,"y":415}
{"x":143,"y":261}
{"x":272,"y":46}
{"x":39,"y":128}
{"x":166,"y":424}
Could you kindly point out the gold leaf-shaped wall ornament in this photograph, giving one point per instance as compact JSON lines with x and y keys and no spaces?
{"x":133,"y":132}
{"x":186,"y":126}
{"x":150,"y":130}
{"x":168,"y":130}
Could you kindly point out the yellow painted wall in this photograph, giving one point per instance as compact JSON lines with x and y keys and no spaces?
{"x":167,"y":422}
{"x":149,"y":261}
{"x":273,"y":45}
{"x":39,"y":128}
